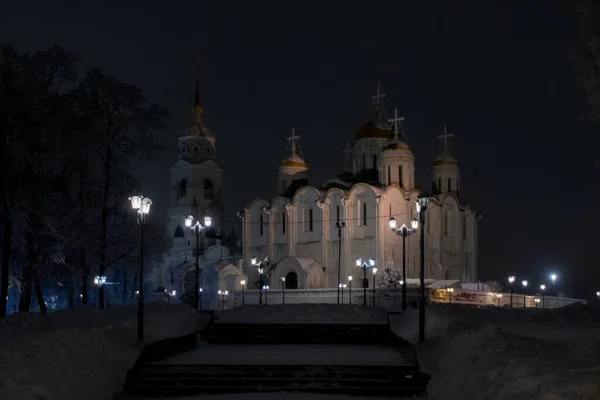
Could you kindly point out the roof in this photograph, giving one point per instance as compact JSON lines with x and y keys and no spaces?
{"x":373,"y":130}
{"x":445,"y":160}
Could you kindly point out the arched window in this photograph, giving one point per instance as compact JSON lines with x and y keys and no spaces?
{"x":283,"y":222}
{"x":440,"y":185}
{"x":389,"y":175}
{"x":364,"y":213}
{"x":178,"y":232}
{"x":208,"y":189}
{"x":182,"y":188}
{"x":261,"y":222}
{"x":449,"y":184}
{"x":400,"y":180}
{"x":291,"y":280}
{"x":310,"y":220}
{"x":446,"y":223}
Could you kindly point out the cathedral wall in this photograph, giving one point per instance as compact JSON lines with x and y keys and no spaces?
{"x":309,"y":220}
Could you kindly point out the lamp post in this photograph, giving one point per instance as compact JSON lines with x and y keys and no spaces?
{"x":260,"y":266}
{"x":422,"y":203}
{"x":243,"y":283}
{"x":511,"y":280}
{"x":197,"y":227}
{"x":141,"y":205}
{"x":524,"y":283}
{"x":543,"y":289}
{"x":374,"y":269}
{"x":266,"y":289}
{"x":450,"y":291}
{"x":223,"y":293}
{"x":365,"y":284}
{"x":498,"y":296}
{"x":404,"y":231}
{"x":350,"y":289}
{"x":553,"y":279}
{"x":537,"y":302}
{"x":339,"y":226}
{"x":283,"y":289}
{"x":341,"y":286}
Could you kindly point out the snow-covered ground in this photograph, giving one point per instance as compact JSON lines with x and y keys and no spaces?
{"x":496,"y":354}
{"x":82,"y":353}
{"x":489,"y":353}
{"x":304,"y":313}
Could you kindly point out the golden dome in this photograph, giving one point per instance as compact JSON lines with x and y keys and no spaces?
{"x":395,"y":145}
{"x":445,"y":160}
{"x":294,"y":160}
{"x":373,"y":130}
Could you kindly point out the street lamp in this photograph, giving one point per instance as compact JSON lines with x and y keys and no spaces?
{"x":511,"y":280}
{"x":422,"y":203}
{"x":243,"y":283}
{"x":339,"y":226}
{"x":498,"y":296}
{"x":260,"y":266}
{"x":450,"y":291}
{"x":365,"y":284}
{"x":266,"y":289}
{"x":223,"y":293}
{"x":349,"y":289}
{"x":374,"y":269}
{"x":141,"y":205}
{"x":404,"y":231}
{"x":197,"y":227}
{"x":524,"y":283}
{"x":283,"y":289}
{"x":341,"y":286}
{"x":537,"y":302}
{"x":543,"y":288}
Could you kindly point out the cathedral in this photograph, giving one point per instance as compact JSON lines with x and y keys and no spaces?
{"x":196,"y":190}
{"x":300,"y":229}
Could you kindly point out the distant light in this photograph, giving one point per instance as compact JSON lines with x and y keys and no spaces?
{"x":553,"y":277}
{"x":414,"y":224}
{"x":401,"y":282}
{"x":359,"y":262}
{"x":173,"y":292}
{"x":498,"y":295}
{"x":207,"y":221}
{"x":283,"y":279}
{"x":543,"y":287}
{"x":350,"y":278}
{"x":372,"y":261}
{"x":253,"y":260}
{"x":511,"y":279}
{"x":374,"y":270}
{"x":243,"y":282}
{"x":392,"y":223}
{"x":525,"y":283}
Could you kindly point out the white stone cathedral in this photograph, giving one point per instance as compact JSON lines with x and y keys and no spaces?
{"x":196,"y":189}
{"x":298,"y":230}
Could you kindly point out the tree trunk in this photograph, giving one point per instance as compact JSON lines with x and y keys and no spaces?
{"x":6,"y":256}
{"x":70,"y":293}
{"x":39,"y":294}
{"x":26,"y":280}
{"x":84,"y":277}
{"x":104,"y":244}
{"x":125,"y":286}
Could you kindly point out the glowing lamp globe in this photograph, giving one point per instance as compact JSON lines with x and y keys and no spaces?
{"x":136,"y":202}
{"x":146,"y":203}
{"x":253,"y":260}
{"x":374,"y":270}
{"x":392,"y":223}
{"x":414,"y":224}
{"x":372,"y":262}
{"x":358,"y":262}
{"x":189,"y":221}
{"x":207,"y":221}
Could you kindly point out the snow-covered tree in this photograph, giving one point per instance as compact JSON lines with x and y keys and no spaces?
{"x":389,"y":278}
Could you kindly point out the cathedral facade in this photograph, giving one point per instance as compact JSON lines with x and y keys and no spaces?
{"x":196,"y":189}
{"x":300,"y":229}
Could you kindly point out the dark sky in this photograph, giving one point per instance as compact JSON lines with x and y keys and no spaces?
{"x":500,"y":73}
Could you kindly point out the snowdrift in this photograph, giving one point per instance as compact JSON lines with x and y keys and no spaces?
{"x":82,"y":353}
{"x":496,"y":354}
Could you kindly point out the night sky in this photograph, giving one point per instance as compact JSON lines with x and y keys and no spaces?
{"x":501,"y":74}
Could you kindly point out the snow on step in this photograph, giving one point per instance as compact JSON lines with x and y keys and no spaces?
{"x":304,"y":313}
{"x":290,"y":355}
